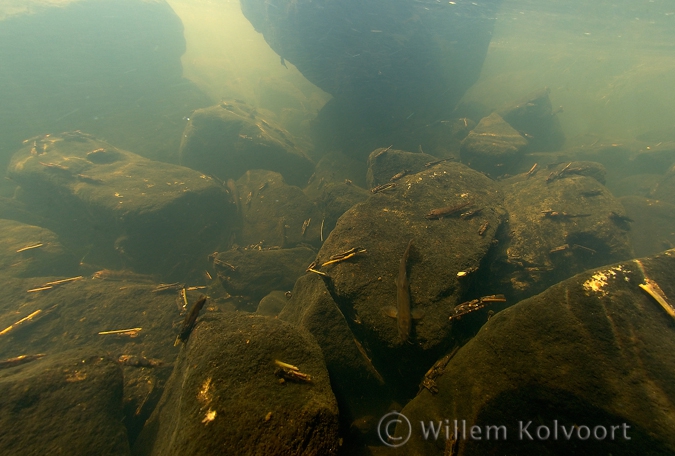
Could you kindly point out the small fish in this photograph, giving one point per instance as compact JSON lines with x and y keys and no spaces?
{"x":446,"y":211}
{"x":89,"y":179}
{"x":435,"y":162}
{"x":620,"y":218}
{"x":403,"y":312}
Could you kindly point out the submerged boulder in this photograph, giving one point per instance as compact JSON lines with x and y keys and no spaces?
{"x":70,"y":401}
{"x":446,"y":250}
{"x":535,"y":118}
{"x":665,"y":188}
{"x":231,"y":138}
{"x":387,"y":165}
{"x":30,"y":251}
{"x":253,"y":272}
{"x":591,"y":356}
{"x":275,"y":214}
{"x":228,"y":393}
{"x":108,"y":203}
{"x":561,"y":221}
{"x":493,"y":146}
{"x":134,"y":316}
{"x":358,"y":386}
{"x":338,"y":183}
{"x":385,"y":59}
{"x":650,"y":224}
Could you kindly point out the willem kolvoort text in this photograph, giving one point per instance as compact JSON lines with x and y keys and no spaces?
{"x":458,"y":430}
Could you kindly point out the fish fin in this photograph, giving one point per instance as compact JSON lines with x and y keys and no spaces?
{"x":390,"y":311}
{"x":417,"y":314}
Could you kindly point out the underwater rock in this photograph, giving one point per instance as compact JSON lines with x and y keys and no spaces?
{"x":253,"y":272}
{"x":85,"y":306}
{"x":561,"y":221}
{"x":651,"y":224}
{"x":336,"y":185}
{"x":665,"y":189}
{"x":273,"y":303}
{"x":68,"y":401}
{"x":635,"y":185}
{"x":275,"y":214}
{"x":625,"y":158}
{"x":31,"y":251}
{"x":653,"y":158}
{"x":226,"y":391}
{"x":231,"y":138}
{"x":443,"y":138}
{"x":426,"y":208}
{"x":385,"y":59}
{"x":117,"y":208}
{"x":358,"y":386}
{"x":334,"y":199}
{"x":336,"y":167}
{"x":592,"y":351}
{"x":534,"y":118}
{"x":71,"y":315}
{"x":388,"y":165}
{"x":493,"y":146}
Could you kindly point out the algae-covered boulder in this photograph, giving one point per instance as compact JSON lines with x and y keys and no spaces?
{"x":387,"y":59}
{"x":357,"y":384}
{"x":534,"y":117}
{"x":336,"y":167}
{"x":387,"y":163}
{"x":651,"y":224}
{"x":135,"y":318}
{"x":665,"y":188}
{"x":228,"y":139}
{"x":273,"y":303}
{"x":451,"y":214}
{"x":28,"y":251}
{"x":337,"y":184}
{"x":591,"y":355}
{"x":493,"y":147}
{"x":275,"y":214}
{"x":253,"y":272}
{"x":227,"y":394}
{"x":69,"y":401}
{"x":109,"y":203}
{"x":561,"y":221}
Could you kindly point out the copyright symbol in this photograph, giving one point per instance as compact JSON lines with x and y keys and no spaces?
{"x":384,"y":433}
